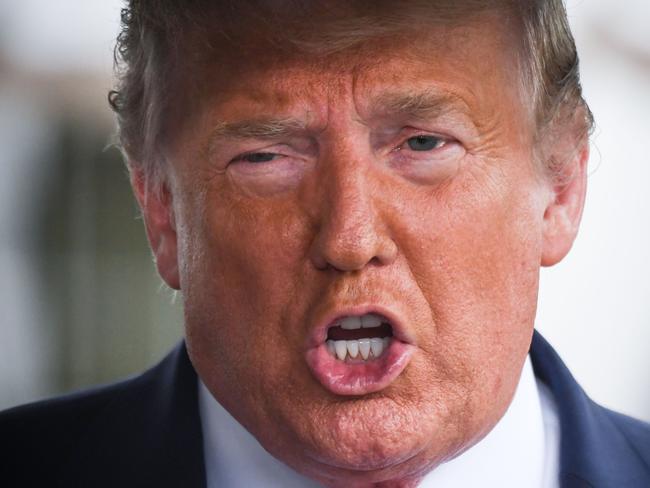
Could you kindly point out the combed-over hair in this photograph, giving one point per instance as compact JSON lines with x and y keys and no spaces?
{"x":160,"y":37}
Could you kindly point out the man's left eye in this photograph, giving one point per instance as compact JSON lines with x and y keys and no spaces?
{"x":425,"y":143}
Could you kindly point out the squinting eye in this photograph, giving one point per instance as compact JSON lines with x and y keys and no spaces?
{"x":424,"y":143}
{"x":257,"y":157}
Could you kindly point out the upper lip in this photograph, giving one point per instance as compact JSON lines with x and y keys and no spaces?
{"x":318,"y":334}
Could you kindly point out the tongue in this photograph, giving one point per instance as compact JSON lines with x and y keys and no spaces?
{"x":339,"y":334}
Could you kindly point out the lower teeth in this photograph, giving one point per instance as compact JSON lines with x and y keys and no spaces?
{"x":363,"y":348}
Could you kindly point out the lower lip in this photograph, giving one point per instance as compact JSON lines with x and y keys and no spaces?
{"x":359,"y":377}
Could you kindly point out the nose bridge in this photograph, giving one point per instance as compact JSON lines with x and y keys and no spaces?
{"x":349,"y":207}
{"x":350,"y":234}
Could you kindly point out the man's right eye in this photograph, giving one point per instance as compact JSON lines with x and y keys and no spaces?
{"x":260,"y":157}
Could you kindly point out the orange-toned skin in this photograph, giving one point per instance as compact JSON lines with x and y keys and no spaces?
{"x":451,"y":240}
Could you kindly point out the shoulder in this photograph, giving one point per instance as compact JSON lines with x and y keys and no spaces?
{"x":635,"y":432}
{"x":49,"y":434}
{"x":52,"y":418}
{"x":101,"y":436}
{"x":598,"y":447}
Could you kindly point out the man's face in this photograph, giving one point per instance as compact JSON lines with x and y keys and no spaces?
{"x":393,"y":181}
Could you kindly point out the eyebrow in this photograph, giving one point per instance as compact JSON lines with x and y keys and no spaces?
{"x":259,"y":128}
{"x":426,"y":104}
{"x":262,"y":128}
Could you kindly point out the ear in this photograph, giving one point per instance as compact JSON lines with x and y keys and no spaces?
{"x":159,"y":221}
{"x":564,"y":210}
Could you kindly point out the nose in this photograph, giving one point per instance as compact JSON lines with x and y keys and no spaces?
{"x":350,"y":231}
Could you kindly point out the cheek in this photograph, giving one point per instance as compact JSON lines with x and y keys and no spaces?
{"x":240,"y":286}
{"x":478,"y":242}
{"x":474,"y":255}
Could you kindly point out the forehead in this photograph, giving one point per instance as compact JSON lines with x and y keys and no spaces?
{"x":470,"y":67}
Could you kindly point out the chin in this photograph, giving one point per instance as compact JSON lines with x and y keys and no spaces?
{"x":365,"y":440}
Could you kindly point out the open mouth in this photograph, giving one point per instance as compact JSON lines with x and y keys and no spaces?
{"x":356,"y":354}
{"x":359,"y":337}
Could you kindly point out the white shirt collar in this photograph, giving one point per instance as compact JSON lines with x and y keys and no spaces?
{"x":513,"y":454}
{"x":521,"y":450}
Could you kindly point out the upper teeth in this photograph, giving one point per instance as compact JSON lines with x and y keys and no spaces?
{"x":366,"y":321}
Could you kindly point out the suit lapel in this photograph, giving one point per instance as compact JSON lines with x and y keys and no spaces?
{"x":594,"y":451}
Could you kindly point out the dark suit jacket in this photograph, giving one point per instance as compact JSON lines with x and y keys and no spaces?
{"x":146,"y":432}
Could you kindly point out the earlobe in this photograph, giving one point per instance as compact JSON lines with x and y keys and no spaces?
{"x":564,"y":211}
{"x":158,"y":214}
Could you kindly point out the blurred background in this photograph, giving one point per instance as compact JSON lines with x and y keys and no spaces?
{"x":81,"y":304}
